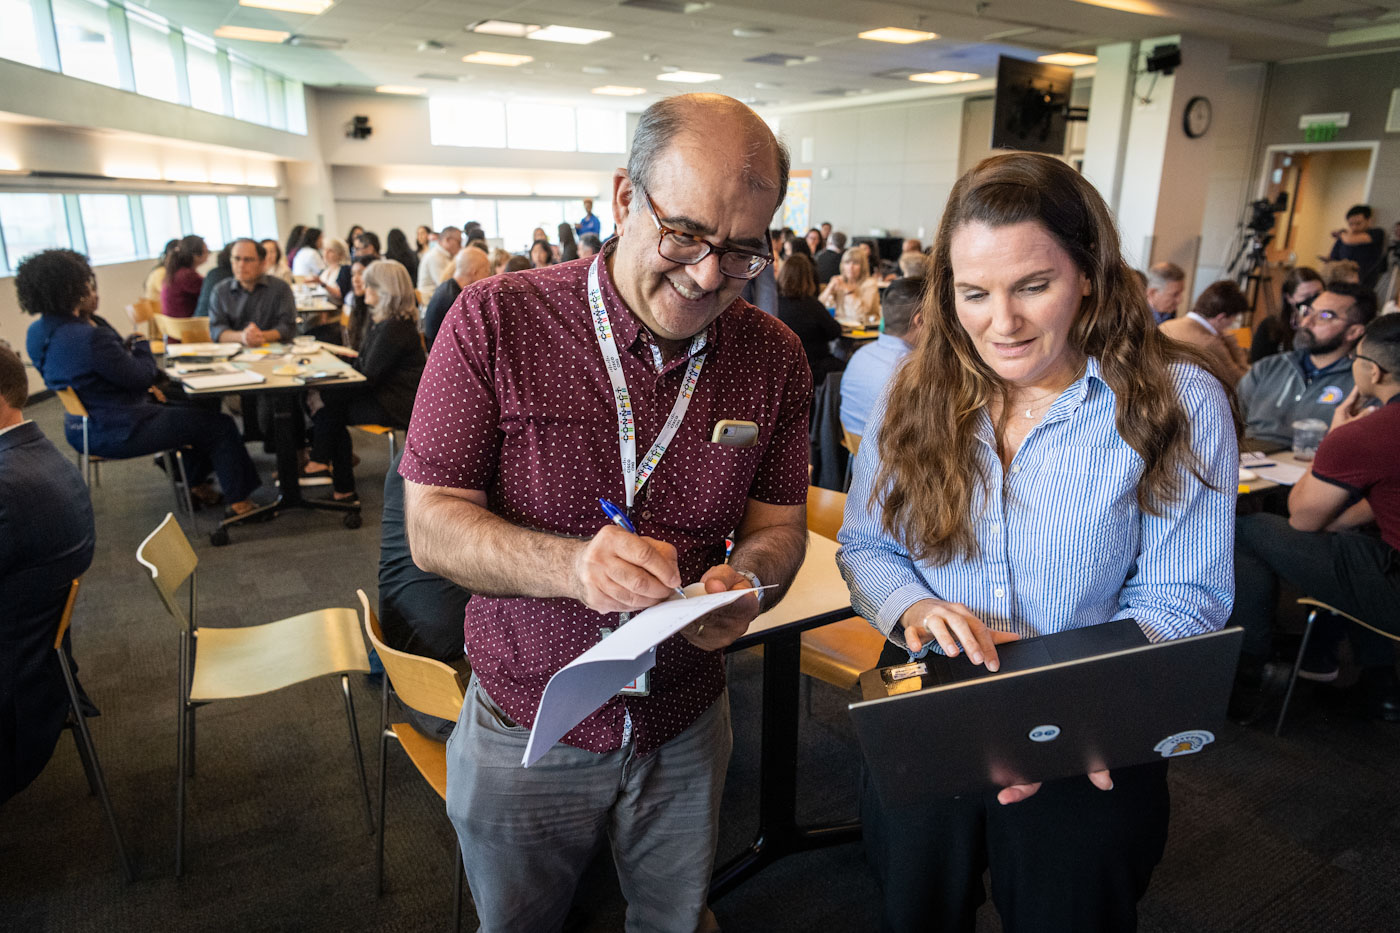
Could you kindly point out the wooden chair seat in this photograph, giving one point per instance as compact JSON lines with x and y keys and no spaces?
{"x":184,"y":329}
{"x":257,"y":659}
{"x":429,"y":757}
{"x":840,"y":652}
{"x":1319,"y":605}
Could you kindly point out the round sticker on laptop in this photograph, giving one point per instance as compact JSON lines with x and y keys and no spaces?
{"x":1044,"y":733}
{"x":1184,"y":743}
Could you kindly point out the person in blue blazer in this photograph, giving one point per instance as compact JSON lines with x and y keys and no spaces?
{"x":72,"y":347}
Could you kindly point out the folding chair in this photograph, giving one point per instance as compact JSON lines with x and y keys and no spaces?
{"x":840,"y":652}
{"x":246,"y":661}
{"x":1316,"y":606}
{"x":381,"y":430}
{"x":184,"y":329}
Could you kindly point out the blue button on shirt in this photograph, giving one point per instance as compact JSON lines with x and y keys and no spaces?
{"x":1062,"y":542}
{"x":865,"y":378}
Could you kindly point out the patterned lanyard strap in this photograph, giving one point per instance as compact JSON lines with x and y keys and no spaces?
{"x":632,"y":477}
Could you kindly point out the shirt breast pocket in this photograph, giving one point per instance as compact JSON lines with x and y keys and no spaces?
{"x":704,"y":487}
{"x":1088,"y":496}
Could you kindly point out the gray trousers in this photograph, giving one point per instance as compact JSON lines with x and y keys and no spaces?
{"x":528,"y":833}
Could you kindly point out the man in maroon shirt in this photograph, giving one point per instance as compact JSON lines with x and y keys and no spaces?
{"x":521,"y":422}
{"x":1353,"y":481}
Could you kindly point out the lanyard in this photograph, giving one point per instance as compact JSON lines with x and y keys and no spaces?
{"x":632,"y":477}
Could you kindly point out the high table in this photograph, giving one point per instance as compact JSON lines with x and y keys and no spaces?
{"x":1283,"y":458}
{"x":286,"y":393}
{"x":818,"y":596}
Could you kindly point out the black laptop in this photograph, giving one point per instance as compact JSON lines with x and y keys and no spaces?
{"x":1101,"y":696}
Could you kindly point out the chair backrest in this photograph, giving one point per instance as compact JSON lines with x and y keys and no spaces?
{"x":825,"y":510}
{"x":850,"y":441}
{"x":67,"y":618}
{"x":167,"y":554}
{"x":426,"y":684}
{"x":142,"y":310}
{"x":71,"y":403}
{"x":184,"y":329}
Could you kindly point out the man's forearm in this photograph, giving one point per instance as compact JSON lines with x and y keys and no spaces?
{"x":774,"y":554}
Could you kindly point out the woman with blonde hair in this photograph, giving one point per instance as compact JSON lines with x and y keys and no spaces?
{"x":391,"y":360}
{"x":1043,"y":461}
{"x":855,"y":293}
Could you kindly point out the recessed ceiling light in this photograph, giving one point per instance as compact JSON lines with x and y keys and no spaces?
{"x":573,"y":35}
{"x":688,"y":77}
{"x":595,"y":70}
{"x":1072,"y":59}
{"x":316,"y":42}
{"x":504,"y":59}
{"x":248,"y":34}
{"x":750,"y":32}
{"x":944,"y":77}
{"x":309,"y":7}
{"x":501,"y":27}
{"x":399,"y":89}
{"x":897,"y":35}
{"x":615,"y":90}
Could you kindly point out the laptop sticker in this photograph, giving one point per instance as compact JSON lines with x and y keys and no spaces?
{"x":1331,"y":395}
{"x":1044,"y":733}
{"x":1184,"y":743}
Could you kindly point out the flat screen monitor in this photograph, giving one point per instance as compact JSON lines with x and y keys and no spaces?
{"x":1030,"y":106}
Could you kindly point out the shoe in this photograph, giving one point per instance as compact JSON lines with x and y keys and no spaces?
{"x":252,"y":517}
{"x":1319,"y":661}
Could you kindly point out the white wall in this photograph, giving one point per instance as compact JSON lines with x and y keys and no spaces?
{"x":1236,"y":111}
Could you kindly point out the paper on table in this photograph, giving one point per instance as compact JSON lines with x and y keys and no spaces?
{"x":223,"y":380}
{"x":201,"y":349}
{"x":586,"y":682}
{"x":1285,"y":474}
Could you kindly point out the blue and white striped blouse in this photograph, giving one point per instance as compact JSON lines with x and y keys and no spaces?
{"x":1062,"y":541}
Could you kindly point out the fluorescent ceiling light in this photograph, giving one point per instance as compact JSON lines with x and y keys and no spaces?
{"x":1141,"y":7}
{"x":688,"y":77}
{"x":944,"y":77}
{"x":421,"y":186}
{"x":570,"y":34}
{"x":501,"y":27}
{"x":399,"y":89}
{"x":309,"y":7}
{"x":1072,"y":59}
{"x":614,"y":90}
{"x":505,"y":60}
{"x":897,"y":35}
{"x":248,"y":34}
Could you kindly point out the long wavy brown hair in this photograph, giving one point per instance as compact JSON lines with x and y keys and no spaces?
{"x":930,"y":468}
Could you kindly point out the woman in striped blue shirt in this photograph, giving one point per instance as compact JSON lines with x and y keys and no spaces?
{"x":1044,"y":460}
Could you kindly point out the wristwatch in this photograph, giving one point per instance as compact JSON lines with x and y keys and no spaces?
{"x":753,"y":578}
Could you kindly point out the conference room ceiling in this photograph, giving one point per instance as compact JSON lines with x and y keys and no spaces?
{"x":420,"y":43}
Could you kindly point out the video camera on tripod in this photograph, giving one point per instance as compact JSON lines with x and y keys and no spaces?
{"x":1250,"y":267}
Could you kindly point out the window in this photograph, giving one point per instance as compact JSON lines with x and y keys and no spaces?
{"x":30,"y":223}
{"x":206,"y":82}
{"x":602,"y":131}
{"x":205,"y":220}
{"x":454,"y":121}
{"x":161,"y":214}
{"x":457,"y":212}
{"x":18,"y":40}
{"x":107,"y":227}
{"x":85,"y":46}
{"x":264,"y":211}
{"x":602,"y":209}
{"x":540,"y":126}
{"x":239,"y":221}
{"x":296,"y":107}
{"x":249,"y":91}
{"x":276,"y":101}
{"x":152,"y":59}
{"x":519,"y":218}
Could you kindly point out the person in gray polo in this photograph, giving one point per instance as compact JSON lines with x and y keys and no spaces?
{"x":252,"y":308}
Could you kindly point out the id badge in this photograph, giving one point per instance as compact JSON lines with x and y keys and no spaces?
{"x":642,"y":685}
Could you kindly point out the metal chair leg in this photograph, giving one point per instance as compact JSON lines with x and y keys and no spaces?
{"x":459,"y":871}
{"x":1293,"y":679}
{"x":383,"y":762}
{"x":393,"y":439}
{"x":88,"y":752}
{"x":181,"y":725}
{"x":355,"y":744}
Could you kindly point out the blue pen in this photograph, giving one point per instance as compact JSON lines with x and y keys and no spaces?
{"x":619,"y":518}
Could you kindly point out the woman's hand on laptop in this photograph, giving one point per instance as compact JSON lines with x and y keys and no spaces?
{"x":1018,"y":792}
{"x":955,"y":629}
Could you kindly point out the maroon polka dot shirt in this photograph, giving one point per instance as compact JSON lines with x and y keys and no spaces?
{"x":515,"y":402}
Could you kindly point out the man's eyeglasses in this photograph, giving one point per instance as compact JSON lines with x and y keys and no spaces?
{"x":688,"y":250}
{"x":1307,"y":311}
{"x":1361,"y":356}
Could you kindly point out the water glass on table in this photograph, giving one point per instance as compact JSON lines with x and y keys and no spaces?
{"x":1307,"y":435}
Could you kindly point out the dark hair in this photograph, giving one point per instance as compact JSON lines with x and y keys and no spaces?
{"x":312,"y":235}
{"x":53,"y":282}
{"x":14,"y":384}
{"x":224,"y":261}
{"x":479,"y":243}
{"x":518,"y":263}
{"x":423,"y":228}
{"x":900,"y":302}
{"x":796,"y":278}
{"x":294,"y":239}
{"x":548,"y":253}
{"x":166,"y":251}
{"x":1223,"y":297}
{"x":566,"y":235}
{"x":399,"y":250}
{"x":821,"y":240}
{"x":262,"y":250}
{"x":350,"y":236}
{"x":838,"y":241}
{"x":1382,"y":341}
{"x":267,"y":240}
{"x":1364,"y":309}
{"x":666,"y":119}
{"x":369,"y":238}
{"x":1363,"y":209}
{"x":1295,"y":278}
{"x":472,"y":230}
{"x":183,"y":256}
{"x":591,"y":241}
{"x":797,"y":246}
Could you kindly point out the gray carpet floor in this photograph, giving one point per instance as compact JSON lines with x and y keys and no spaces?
{"x":1299,"y":833}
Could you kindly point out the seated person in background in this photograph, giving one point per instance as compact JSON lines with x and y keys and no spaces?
{"x":46,"y":541}
{"x":391,"y":359}
{"x":829,"y":258}
{"x":275,"y":265}
{"x":873,"y":365}
{"x":540,"y":254}
{"x":335,"y":278}
{"x":1275,"y":334}
{"x":156,"y":277}
{"x":815,"y":242}
{"x":800,"y":310}
{"x":252,"y":309}
{"x":182,"y":286}
{"x":912,"y":263}
{"x":366,"y":247}
{"x":469,"y":265}
{"x":1361,"y":243}
{"x":308,"y":262}
{"x":911,"y":245}
{"x":1342,"y":270}
{"x":855,"y":293}
{"x":499,"y":258}
{"x":589,"y":245}
{"x":518,"y":264}
{"x":1312,"y":380}
{"x":359,"y":311}
{"x":74,"y":348}
{"x":1353,"y":481}
{"x":1166,"y":283}
{"x":568,"y":248}
{"x":436,"y":263}
{"x":1204,"y":328}
{"x":222,"y":272}
{"x":419,"y":612}
{"x":397,"y":249}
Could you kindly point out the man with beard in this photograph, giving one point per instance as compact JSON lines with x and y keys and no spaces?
{"x":1315,"y":376}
